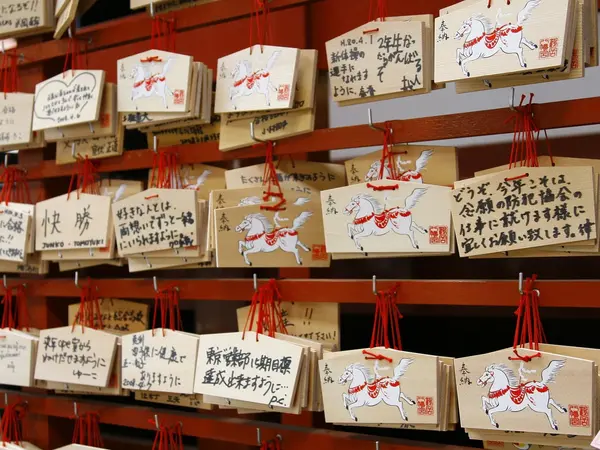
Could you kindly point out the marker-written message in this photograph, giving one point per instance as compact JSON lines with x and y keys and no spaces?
{"x":118,"y":316}
{"x":16,"y":358}
{"x":262,"y":371}
{"x":156,"y":219}
{"x":14,"y":232}
{"x":386,"y":60}
{"x":16,"y":111}
{"x":160,"y":362}
{"x":315,"y":321}
{"x":524,"y":208}
{"x":68,"y":98}
{"x":70,"y":222}
{"x":75,"y":355}
{"x":19,"y":16}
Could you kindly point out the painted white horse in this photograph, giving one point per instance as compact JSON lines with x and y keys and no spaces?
{"x":148,"y":84}
{"x":413,"y":176}
{"x":261,"y":237}
{"x":200,"y":180}
{"x":255,"y":200}
{"x":366,"y":390}
{"x":506,"y":393}
{"x":370,"y":218}
{"x":246,"y":82}
{"x":484,"y":40}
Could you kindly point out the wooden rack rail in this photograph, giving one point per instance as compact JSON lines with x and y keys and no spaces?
{"x":410,"y":292}
{"x":570,"y":113}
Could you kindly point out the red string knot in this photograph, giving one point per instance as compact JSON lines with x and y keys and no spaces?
{"x":370,"y":355}
{"x":525,"y":175}
{"x":374,"y":30}
{"x":151,"y":197}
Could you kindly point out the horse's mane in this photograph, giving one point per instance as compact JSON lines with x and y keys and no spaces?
{"x":487,"y":24}
{"x":512,"y":378}
{"x":376,"y":205}
{"x":368,"y":375}
{"x":265,"y":222}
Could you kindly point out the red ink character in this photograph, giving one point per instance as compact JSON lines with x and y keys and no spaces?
{"x":424,"y":406}
{"x":178,"y":96}
{"x":319,"y":253}
{"x":579,"y":416}
{"x":548,"y":48}
{"x":438,"y":234}
{"x":283,"y":93}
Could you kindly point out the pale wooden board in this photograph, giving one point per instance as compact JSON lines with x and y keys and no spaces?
{"x":33,"y":266}
{"x":35,"y":18}
{"x":28,"y":210}
{"x":75,"y":356}
{"x":65,"y":266}
{"x":319,"y":322}
{"x":236,"y":134}
{"x":576,"y":61}
{"x":14,"y":234}
{"x":319,"y":176}
{"x":242,"y":239}
{"x":92,"y":148}
{"x":37,"y":142}
{"x":136,"y":75}
{"x":143,"y":264}
{"x":305,"y":88}
{"x":118,"y":316}
{"x":461,"y":25}
{"x":60,"y":7}
{"x":182,"y":400}
{"x":470,"y":242}
{"x":424,"y":210}
{"x":57,"y":226}
{"x":106,"y":125}
{"x":16,"y":111}
{"x":573,"y":387}
{"x":187,"y":134}
{"x":136,"y":221}
{"x":68,"y":98}
{"x":366,"y":65}
{"x":418,"y":375}
{"x":17,"y":358}
{"x":283,"y":380}
{"x":168,"y":365}
{"x":257,"y":79}
{"x":520,"y":440}
{"x":200,"y":177}
{"x":418,"y":163}
{"x":66,"y":18}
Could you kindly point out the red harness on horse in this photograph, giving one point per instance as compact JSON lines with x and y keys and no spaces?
{"x":149,"y":82}
{"x":272,"y":237}
{"x":375,"y":387}
{"x":517,"y":394}
{"x":381,"y":220}
{"x":491,"y":40}
{"x":251,"y":79}
{"x":409,"y":176}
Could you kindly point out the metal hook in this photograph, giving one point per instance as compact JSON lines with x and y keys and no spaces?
{"x":73,"y":149}
{"x":511,"y":100}
{"x":376,"y":445}
{"x":92,"y":128}
{"x":4,"y":282}
{"x":91,"y":252}
{"x":150,"y":267}
{"x":151,"y":9}
{"x":156,"y":421}
{"x":70,"y":32}
{"x":374,"y":285}
{"x":6,"y":160}
{"x":77,"y":278}
{"x":258,"y":437}
{"x":6,"y":398}
{"x":253,"y":136}
{"x":521,"y":283}
{"x":255,"y":279}
{"x":155,"y":144}
{"x":155,"y":282}
{"x":371,"y":126}
{"x":487,"y":83}
{"x":75,"y":409}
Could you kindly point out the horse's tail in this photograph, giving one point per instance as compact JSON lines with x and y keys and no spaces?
{"x":301,"y":219}
{"x":271,"y":60}
{"x":525,"y":13}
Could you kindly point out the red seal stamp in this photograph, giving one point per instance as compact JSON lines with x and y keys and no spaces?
{"x":425,"y":406}
{"x":579,"y":415}
{"x":178,"y":96}
{"x":319,"y":253}
{"x":548,"y":47}
{"x":438,"y":234}
{"x":283,"y":93}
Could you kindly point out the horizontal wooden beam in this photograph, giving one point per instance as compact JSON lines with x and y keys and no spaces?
{"x":213,"y":426}
{"x":571,"y":294}
{"x":138,"y":27}
{"x":570,"y":113}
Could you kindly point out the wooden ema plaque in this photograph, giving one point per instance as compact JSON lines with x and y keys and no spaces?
{"x":201,"y":178}
{"x":138,"y":217}
{"x":187,"y":132}
{"x":69,"y":98}
{"x":511,"y":211}
{"x":378,"y":58}
{"x":553,"y":393}
{"x":415,"y":163}
{"x":118,"y":316}
{"x":17,"y":356}
{"x":77,"y":355}
{"x":249,"y":236}
{"x":26,"y":18}
{"x":16,"y":112}
{"x":71,"y":222}
{"x":359,"y":390}
{"x":257,"y":79}
{"x":154,"y":81}
{"x":28,"y":210}
{"x":411,"y":218}
{"x":526,"y":35}
{"x":14,"y":234}
{"x":159,"y":360}
{"x":277,"y":371}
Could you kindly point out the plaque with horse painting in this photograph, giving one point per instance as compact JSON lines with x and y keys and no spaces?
{"x":549,"y":393}
{"x":387,"y":216}
{"x":401,"y":387}
{"x":154,"y":81}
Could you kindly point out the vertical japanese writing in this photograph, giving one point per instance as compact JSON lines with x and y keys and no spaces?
{"x":331,"y":206}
